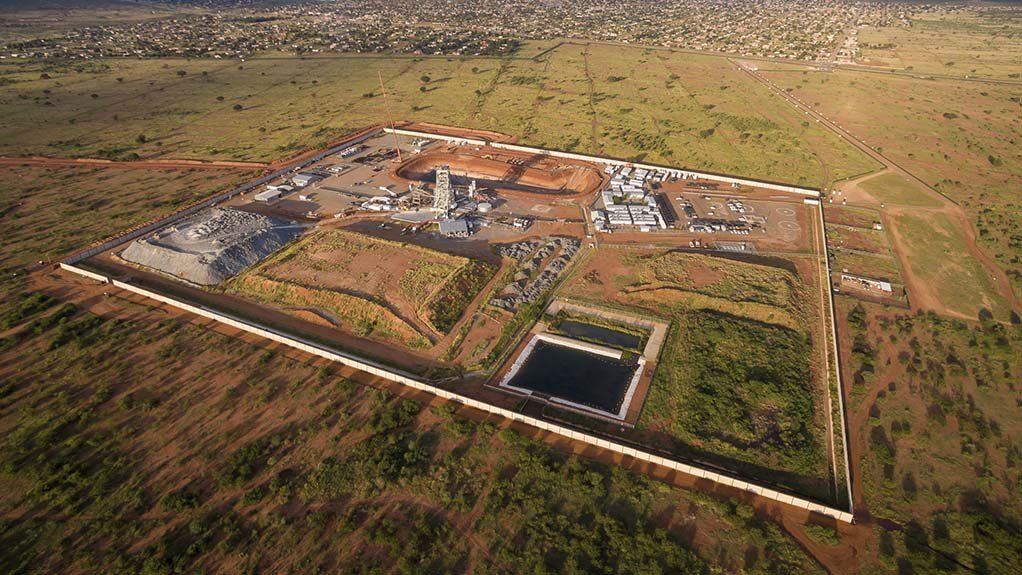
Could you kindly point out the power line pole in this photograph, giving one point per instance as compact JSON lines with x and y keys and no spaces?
{"x":390,"y":116}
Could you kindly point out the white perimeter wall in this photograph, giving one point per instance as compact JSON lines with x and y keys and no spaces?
{"x":600,"y":160}
{"x":406,"y":379}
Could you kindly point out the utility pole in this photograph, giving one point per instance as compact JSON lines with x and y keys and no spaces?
{"x":390,"y":117}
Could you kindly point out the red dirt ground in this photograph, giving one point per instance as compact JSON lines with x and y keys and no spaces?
{"x":562,"y":178}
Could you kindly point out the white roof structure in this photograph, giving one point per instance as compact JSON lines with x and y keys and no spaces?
{"x":453,"y":227}
{"x":268,"y":195}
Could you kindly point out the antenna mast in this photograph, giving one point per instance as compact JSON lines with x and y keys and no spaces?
{"x":390,"y":117}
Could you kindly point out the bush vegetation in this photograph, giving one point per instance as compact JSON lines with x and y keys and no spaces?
{"x":738,"y":388}
{"x":326,"y":477}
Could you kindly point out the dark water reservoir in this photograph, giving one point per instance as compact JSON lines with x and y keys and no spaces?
{"x":599,"y":334}
{"x":577,"y":376}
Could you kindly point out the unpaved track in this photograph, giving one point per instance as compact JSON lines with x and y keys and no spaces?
{"x":134,"y":165}
{"x":591,"y":92}
{"x":916,"y":285}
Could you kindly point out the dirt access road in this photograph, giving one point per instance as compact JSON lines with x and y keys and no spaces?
{"x":922,"y":294}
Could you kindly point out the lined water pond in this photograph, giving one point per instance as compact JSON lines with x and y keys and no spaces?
{"x":577,"y":376}
{"x":600,"y":334}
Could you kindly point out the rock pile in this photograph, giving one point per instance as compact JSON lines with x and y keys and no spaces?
{"x":213,"y":245}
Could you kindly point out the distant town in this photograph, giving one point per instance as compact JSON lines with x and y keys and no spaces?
{"x":803,"y":30}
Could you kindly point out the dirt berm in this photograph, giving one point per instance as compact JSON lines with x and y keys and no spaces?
{"x":535,"y":174}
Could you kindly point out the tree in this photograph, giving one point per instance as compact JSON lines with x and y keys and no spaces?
{"x":908,"y":484}
{"x":237,"y":107}
{"x":424,"y":78}
{"x":142,"y":139}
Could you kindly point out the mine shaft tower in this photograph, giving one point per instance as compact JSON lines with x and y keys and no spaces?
{"x":443,"y":195}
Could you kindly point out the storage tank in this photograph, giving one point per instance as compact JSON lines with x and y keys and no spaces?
{"x":484,"y":207}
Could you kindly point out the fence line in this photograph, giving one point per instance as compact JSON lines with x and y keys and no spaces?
{"x":598,"y":159}
{"x":407,"y":380}
{"x":837,"y":362}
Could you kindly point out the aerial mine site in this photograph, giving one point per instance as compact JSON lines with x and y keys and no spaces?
{"x":307,"y":287}
{"x":536,"y":282}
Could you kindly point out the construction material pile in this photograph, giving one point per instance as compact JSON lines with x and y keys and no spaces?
{"x":213,"y":245}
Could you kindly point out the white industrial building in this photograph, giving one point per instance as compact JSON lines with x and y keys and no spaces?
{"x":269,"y":195}
{"x":454,"y":228}
{"x":304,"y":178}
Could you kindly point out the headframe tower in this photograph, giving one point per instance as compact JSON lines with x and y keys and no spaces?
{"x":443,"y":195}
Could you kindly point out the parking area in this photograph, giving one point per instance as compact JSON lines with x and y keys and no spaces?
{"x":735,"y":215}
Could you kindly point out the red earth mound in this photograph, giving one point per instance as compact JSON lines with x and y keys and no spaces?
{"x":506,"y":170}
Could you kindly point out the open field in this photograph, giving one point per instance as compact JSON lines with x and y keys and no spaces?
{"x":350,"y":279}
{"x":729,"y":319}
{"x":959,"y":137}
{"x":176,"y":445}
{"x":962,"y":284}
{"x":978,"y":43}
{"x":867,"y":240}
{"x":738,"y":388}
{"x":933,"y":411}
{"x":713,"y":117}
{"x":693,"y":280}
{"x":891,"y":188}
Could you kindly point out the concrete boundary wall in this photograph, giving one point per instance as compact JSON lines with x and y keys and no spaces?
{"x":837,"y":362}
{"x":602,"y":160}
{"x":84,"y":272}
{"x":403,"y":379}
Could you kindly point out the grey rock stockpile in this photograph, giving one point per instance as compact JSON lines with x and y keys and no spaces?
{"x":213,"y":245}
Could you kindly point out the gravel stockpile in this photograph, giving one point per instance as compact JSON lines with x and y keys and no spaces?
{"x":212,"y":246}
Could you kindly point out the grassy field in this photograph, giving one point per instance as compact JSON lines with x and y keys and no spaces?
{"x":358,"y":315}
{"x":960,"y":137}
{"x":737,"y":388}
{"x":352,"y":277}
{"x":176,"y":448}
{"x":894,"y":189}
{"x":722,"y":278}
{"x":682,"y":109}
{"x":962,"y":283}
{"x":978,"y":43}
{"x":734,"y":383}
{"x":653,"y":280}
{"x":935,"y":417}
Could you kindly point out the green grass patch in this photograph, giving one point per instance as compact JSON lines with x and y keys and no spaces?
{"x":737,"y":388}
{"x":895,"y":189}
